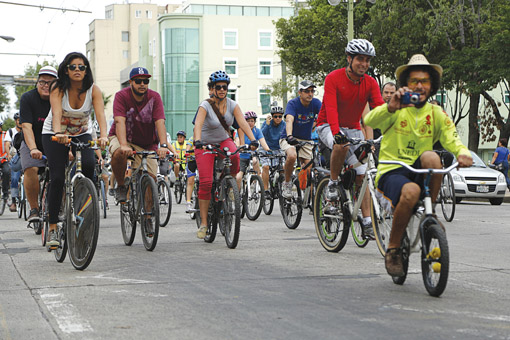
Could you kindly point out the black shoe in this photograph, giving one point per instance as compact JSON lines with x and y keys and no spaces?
{"x":121,"y":193}
{"x":34,"y":215}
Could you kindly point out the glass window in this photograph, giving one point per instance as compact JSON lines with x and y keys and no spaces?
{"x":262,"y":11}
{"x":249,"y":11}
{"x":192,"y":40}
{"x":125,"y":54}
{"x":148,"y":14}
{"x":138,"y":14}
{"x":507,"y":97}
{"x":264,"y":97}
{"x":265,"y":68}
{"x":232,"y":94}
{"x":275,"y":11}
{"x":125,"y":36}
{"x":230,"y":39}
{"x":210,"y":9}
{"x":178,"y":40}
{"x":287,"y":12}
{"x":223,"y":10}
{"x":230,"y":66}
{"x":197,"y":9}
{"x":236,"y":10}
{"x":265,"y":40}
{"x":108,"y":14}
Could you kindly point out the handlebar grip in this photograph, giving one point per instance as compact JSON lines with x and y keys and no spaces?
{"x":54,"y":139}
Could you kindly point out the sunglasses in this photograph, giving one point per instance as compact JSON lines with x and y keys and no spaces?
{"x":139,"y":81}
{"x":74,"y":66}
{"x":221,"y":87}
{"x":43,"y":83}
{"x":308,"y":91}
{"x":277,"y":116}
{"x":415,"y":81}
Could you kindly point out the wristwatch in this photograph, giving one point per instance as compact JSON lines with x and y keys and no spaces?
{"x":164,"y":145}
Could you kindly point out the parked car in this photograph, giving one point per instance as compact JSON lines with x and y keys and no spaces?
{"x":479,"y":181}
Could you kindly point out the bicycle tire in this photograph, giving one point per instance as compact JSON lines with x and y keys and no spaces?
{"x":3,"y":203}
{"x":268,"y":204}
{"x":83,"y":224}
{"x":43,"y":213}
{"x":447,"y":194}
{"x":230,"y":214}
{"x":21,"y":197}
{"x":435,"y":259}
{"x":405,"y":246}
{"x":356,"y":227}
{"x":254,"y":202}
{"x":244,"y":198}
{"x":61,"y":251}
{"x":179,"y":189}
{"x":196,"y":207}
{"x":128,"y":214}
{"x":332,"y":232}
{"x":149,"y":216}
{"x":165,"y":202}
{"x":212,"y":221}
{"x":382,"y":221}
{"x":102,"y":194}
{"x":292,"y":209}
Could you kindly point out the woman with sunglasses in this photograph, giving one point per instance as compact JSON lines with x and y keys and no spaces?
{"x":214,"y":118}
{"x":73,"y":98}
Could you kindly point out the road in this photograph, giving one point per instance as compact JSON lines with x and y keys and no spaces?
{"x":277,"y":284}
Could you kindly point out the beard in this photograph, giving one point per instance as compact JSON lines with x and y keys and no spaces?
{"x":140,"y":94}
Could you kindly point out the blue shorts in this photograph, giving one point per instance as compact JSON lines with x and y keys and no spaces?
{"x":390,"y":184}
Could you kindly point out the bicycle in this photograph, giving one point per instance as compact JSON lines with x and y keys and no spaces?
{"x":252,"y":194}
{"x":22,"y":198}
{"x":428,"y":237}
{"x":274,"y":174}
{"x":142,"y":205}
{"x":79,"y":230}
{"x":101,"y":189}
{"x":165,"y":199}
{"x":446,"y":196}
{"x":334,"y":219}
{"x":3,"y":200}
{"x":180,"y":183}
{"x":225,"y":205}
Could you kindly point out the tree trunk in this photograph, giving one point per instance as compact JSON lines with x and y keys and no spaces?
{"x":474,"y":129}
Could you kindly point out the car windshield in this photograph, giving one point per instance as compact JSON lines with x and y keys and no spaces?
{"x":477,"y":161}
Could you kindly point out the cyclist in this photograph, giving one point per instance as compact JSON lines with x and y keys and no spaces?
{"x":191,"y":173}
{"x":212,"y":125}
{"x":14,"y":160}
{"x":251,"y":119}
{"x":409,"y":133}
{"x":139,"y":125}
{"x":4,"y":164}
{"x":346,"y":94}
{"x":300,"y":116}
{"x":73,"y":97}
{"x":181,"y":146}
{"x":502,"y":156}
{"x":272,"y":129}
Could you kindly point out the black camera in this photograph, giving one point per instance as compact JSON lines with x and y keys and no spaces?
{"x":410,"y":98}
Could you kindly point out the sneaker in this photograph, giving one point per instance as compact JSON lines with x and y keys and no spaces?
{"x":332,"y":192}
{"x":202,"y":231}
{"x":12,"y":207}
{"x":368,"y":231}
{"x":189,"y":207}
{"x":393,"y":262}
{"x":287,"y":190}
{"x":121,"y":193}
{"x":34,"y":215}
{"x":52,"y":242}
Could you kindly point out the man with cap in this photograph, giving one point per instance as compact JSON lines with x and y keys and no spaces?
{"x":410,"y":131}
{"x":300,"y":115}
{"x":139,"y":124}
{"x":34,"y":107}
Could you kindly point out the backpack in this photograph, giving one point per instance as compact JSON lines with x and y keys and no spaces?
{"x":16,"y":141}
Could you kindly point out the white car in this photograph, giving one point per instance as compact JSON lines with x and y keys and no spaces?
{"x":479,"y":181}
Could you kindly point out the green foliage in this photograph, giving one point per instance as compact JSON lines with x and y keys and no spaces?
{"x":8,"y":123}
{"x":31,"y":71}
{"x":4,"y":98}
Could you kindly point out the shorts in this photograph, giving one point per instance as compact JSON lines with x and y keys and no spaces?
{"x":191,"y":168}
{"x":390,"y":184}
{"x":326,"y":137}
{"x":27,"y":161}
{"x":266,"y":161}
{"x":305,"y":152}
{"x":243,"y":164}
{"x":152,"y":163}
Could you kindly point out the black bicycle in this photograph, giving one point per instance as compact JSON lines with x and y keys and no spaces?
{"x":101,"y":188}
{"x":252,"y":190}
{"x":22,"y":198}
{"x":180,"y":183}
{"x":275,"y":170}
{"x":165,"y":198}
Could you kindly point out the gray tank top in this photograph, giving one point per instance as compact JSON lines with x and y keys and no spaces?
{"x":212,"y":130}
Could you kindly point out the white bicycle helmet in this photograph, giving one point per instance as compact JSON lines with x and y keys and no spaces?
{"x":360,"y":46}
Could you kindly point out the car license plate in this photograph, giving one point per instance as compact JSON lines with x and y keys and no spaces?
{"x":482,"y":188}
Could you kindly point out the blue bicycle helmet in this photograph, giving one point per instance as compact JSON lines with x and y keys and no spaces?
{"x":182,"y":133}
{"x":219,"y":76}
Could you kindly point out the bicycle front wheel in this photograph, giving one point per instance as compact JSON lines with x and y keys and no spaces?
{"x":292,"y":208}
{"x":435,"y":259}
{"x":331,"y":223}
{"x":269,"y":200}
{"x":447,"y":194}
{"x":179,"y":190}
{"x":230,"y":215}
{"x":165,"y":202}
{"x":255,"y":197}
{"x":149,"y":213}
{"x":382,"y":220}
{"x":83,"y":224}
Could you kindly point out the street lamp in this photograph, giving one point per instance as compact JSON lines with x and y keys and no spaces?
{"x":7,"y":38}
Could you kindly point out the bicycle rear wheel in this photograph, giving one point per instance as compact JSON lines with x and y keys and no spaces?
{"x":61,"y":251}
{"x":149,"y":213}
{"x":292,"y":208}
{"x":447,"y":194}
{"x":44,"y":224}
{"x":382,"y":220}
{"x":3,"y":203}
{"x":331,"y":222}
{"x":128,"y":214}
{"x":435,"y":259}
{"x":83,"y":224}
{"x":356,"y":227}
{"x":165,"y":202}
{"x":179,"y":189}
{"x":212,"y":221}
{"x":269,"y":200}
{"x":102,"y":194}
{"x":230,"y":216}
{"x":255,"y":197}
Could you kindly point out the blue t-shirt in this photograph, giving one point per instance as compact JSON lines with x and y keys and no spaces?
{"x":272,"y":134}
{"x":257,"y":134}
{"x":502,"y":155}
{"x":303,"y":117}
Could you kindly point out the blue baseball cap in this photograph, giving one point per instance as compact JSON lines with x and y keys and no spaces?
{"x":139,"y":72}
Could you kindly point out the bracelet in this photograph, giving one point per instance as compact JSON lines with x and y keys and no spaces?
{"x":33,"y":149}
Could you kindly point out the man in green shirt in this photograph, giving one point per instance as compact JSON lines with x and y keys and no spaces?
{"x":410,"y":131}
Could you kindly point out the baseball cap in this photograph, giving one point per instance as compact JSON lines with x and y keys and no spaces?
{"x":50,"y":70}
{"x":305,"y":84}
{"x":139,"y":72}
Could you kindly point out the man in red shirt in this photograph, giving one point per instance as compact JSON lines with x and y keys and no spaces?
{"x":346,"y":94}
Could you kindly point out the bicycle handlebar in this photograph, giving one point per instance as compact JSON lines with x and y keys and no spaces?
{"x":422,"y":171}
{"x":215,"y":148}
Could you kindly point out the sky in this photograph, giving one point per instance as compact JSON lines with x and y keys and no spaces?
{"x":40,"y":30}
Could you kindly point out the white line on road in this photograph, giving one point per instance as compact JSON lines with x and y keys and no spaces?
{"x":493,"y":317}
{"x":66,"y":314}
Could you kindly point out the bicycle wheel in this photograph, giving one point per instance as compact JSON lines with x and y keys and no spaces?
{"x":406,"y":252}
{"x":128,"y":214}
{"x":244,"y":198}
{"x":447,"y":194}
{"x":382,"y":221}
{"x":102,"y":197}
{"x":21,"y":199}
{"x":254,"y":200}
{"x":230,"y":212}
{"x":356,"y":228}
{"x":331,"y":223}
{"x":435,"y":259}
{"x":212,"y":221}
{"x":291,"y":208}
{"x":3,"y":203}
{"x":44,"y":223}
{"x":165,"y":202}
{"x":269,"y":200}
{"x":61,"y":251}
{"x":179,"y":190}
{"x":83,"y":224}
{"x":194,"y":200}
{"x":149,"y":212}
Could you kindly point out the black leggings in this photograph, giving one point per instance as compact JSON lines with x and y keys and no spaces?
{"x":58,"y":158}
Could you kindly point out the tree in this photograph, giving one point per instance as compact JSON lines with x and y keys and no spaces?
{"x":4,"y":99}
{"x":31,"y":71}
{"x":8,"y":123}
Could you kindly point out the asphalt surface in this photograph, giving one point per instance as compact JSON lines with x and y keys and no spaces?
{"x":277,"y":284}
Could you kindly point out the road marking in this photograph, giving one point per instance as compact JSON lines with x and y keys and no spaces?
{"x":66,"y":315}
{"x":493,"y":317}
{"x":5,"y":334}
{"x":104,"y":277}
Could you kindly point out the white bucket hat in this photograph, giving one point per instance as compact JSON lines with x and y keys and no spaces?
{"x":418,"y":59}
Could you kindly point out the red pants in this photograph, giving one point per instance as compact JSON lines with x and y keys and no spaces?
{"x":205,"y":164}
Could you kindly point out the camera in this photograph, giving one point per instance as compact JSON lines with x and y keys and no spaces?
{"x":411,"y":98}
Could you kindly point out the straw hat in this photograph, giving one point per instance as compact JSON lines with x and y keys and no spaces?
{"x":418,"y":59}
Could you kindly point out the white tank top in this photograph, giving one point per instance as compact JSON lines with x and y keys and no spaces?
{"x":74,"y":122}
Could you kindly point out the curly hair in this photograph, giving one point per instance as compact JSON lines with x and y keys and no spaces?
{"x":434,"y":75}
{"x":63,"y":83}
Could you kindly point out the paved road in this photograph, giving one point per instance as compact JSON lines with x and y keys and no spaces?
{"x":278,"y":284}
